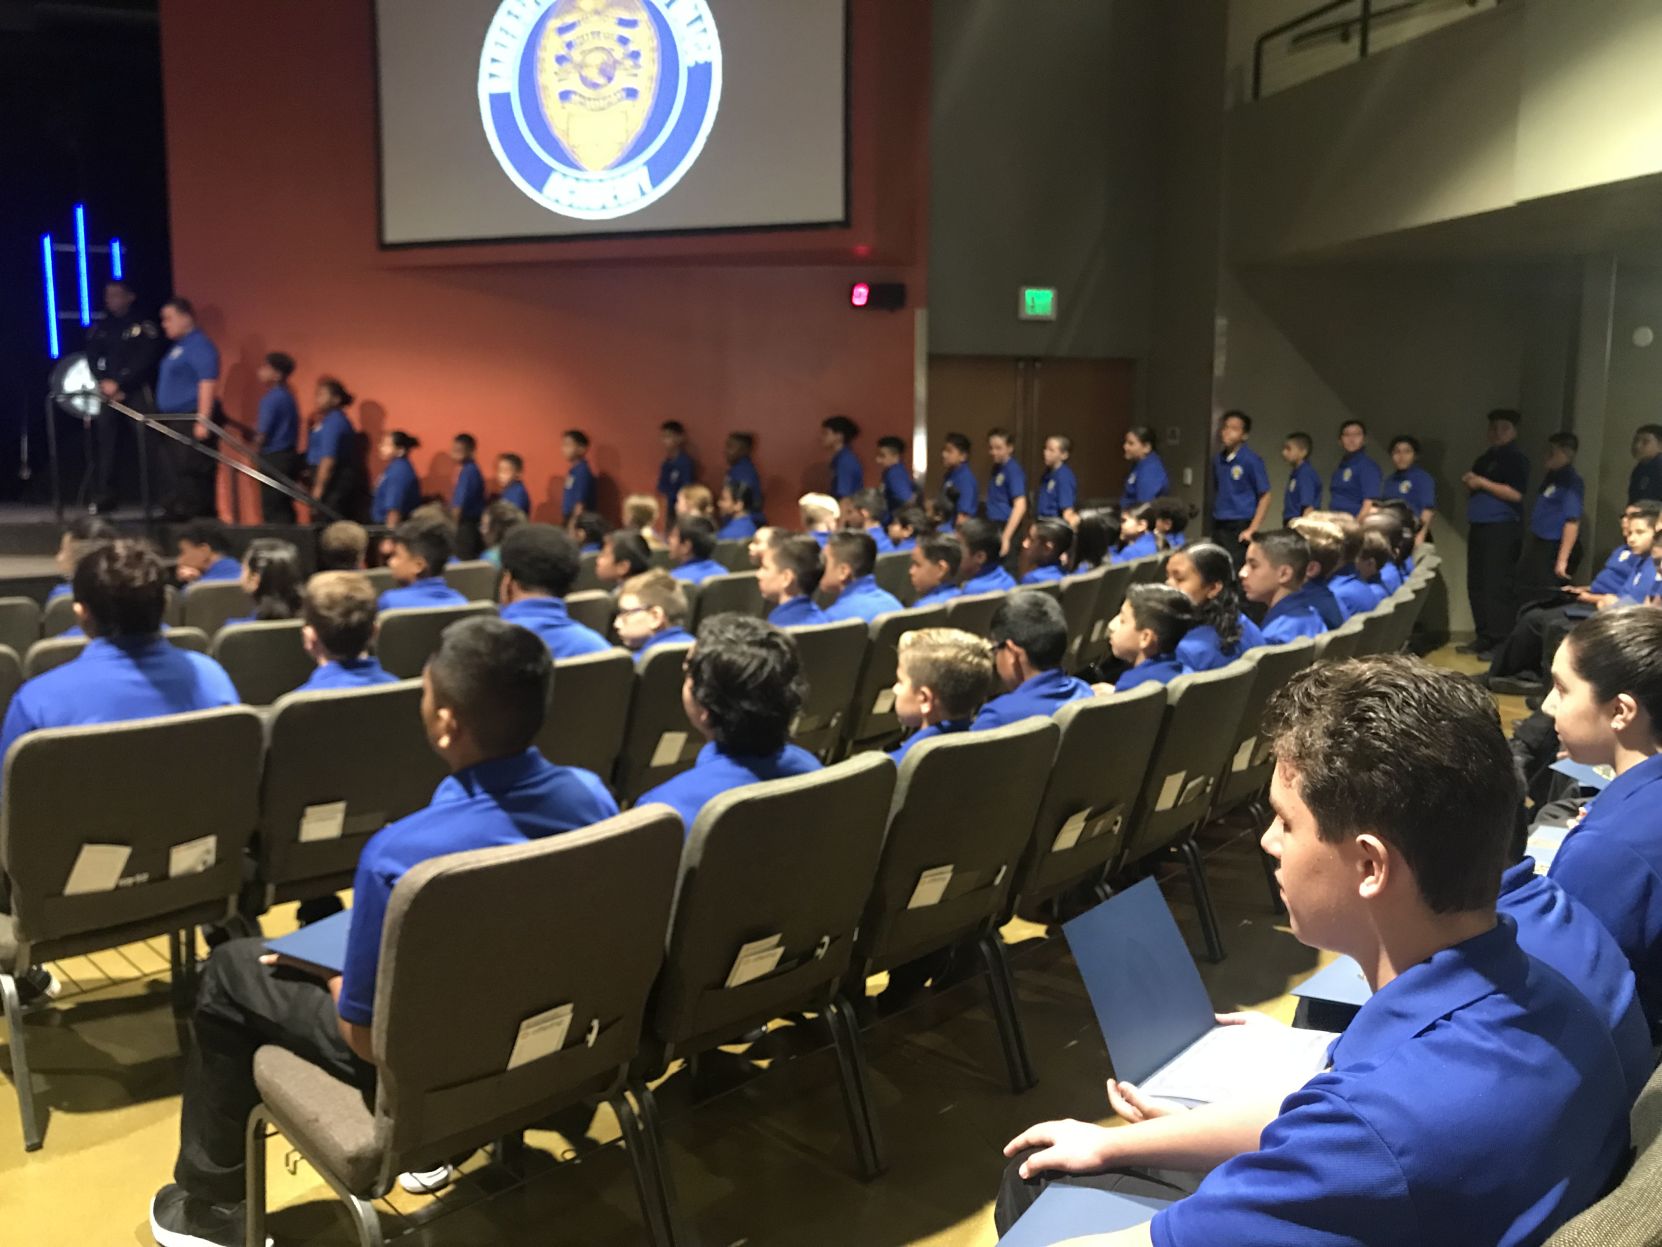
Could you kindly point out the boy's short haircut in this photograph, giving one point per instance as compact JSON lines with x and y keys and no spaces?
{"x":743,"y":496}
{"x":1391,"y":525}
{"x":1164,"y":611}
{"x":280,"y":363}
{"x":432,"y":511}
{"x":699,"y":499}
{"x":541,"y":558}
{"x":1647,"y":509}
{"x":578,"y":437}
{"x":746,"y":675}
{"x":1356,"y":423}
{"x":1649,"y":430}
{"x":1063,"y":442}
{"x":893,"y":445}
{"x":801,"y":556}
{"x":817,"y":508}
{"x":640,"y":510}
{"x":746,"y":441}
{"x":501,"y":518}
{"x":592,"y":527}
{"x":658,"y":588}
{"x":433,"y":541}
{"x":1373,"y":545}
{"x":508,"y":456}
{"x":1285,"y":548}
{"x":342,"y":546}
{"x":943,"y":548}
{"x":1397,"y":507}
{"x":1408,"y":440}
{"x":1033,"y":621}
{"x":958,"y":442}
{"x":956,"y":666}
{"x":842,"y":426}
{"x":1173,"y":510}
{"x":673,"y":426}
{"x":466,"y":441}
{"x":1391,"y":746}
{"x":1302,"y":441}
{"x":1055,"y":534}
{"x":495,"y":676}
{"x":911,"y":517}
{"x":1505,"y":415}
{"x":340,"y":607}
{"x":1565,"y":441}
{"x":123,"y":586}
{"x":1003,"y":434}
{"x":210,"y":533}
{"x":1237,"y":414}
{"x":982,"y":535}
{"x":698,"y":533}
{"x":1325,"y":541}
{"x":872,"y":502}
{"x":854,"y":550}
{"x":630,"y":548}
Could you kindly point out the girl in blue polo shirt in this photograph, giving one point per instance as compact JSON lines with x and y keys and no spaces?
{"x":1152,"y":621}
{"x":1222,"y":632}
{"x":1137,"y":539}
{"x":1046,"y":546}
{"x":398,"y":492}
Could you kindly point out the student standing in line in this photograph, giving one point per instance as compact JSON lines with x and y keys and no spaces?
{"x":1552,"y":549}
{"x":1058,"y":487}
{"x":1304,"y":487}
{"x":1355,"y":482}
{"x":899,"y":490}
{"x":510,"y":483}
{"x":1006,"y":488}
{"x":467,"y":499}
{"x":837,"y":435}
{"x":959,"y":484}
{"x":577,"y":494}
{"x":1147,"y":479}
{"x":677,"y":471}
{"x":741,"y":469}
{"x":1240,"y":485}
{"x":398,"y":492}
{"x":1411,"y":484}
{"x":277,"y":434}
{"x":1645,"y":481}
{"x":333,"y":456}
{"x":1495,"y":489}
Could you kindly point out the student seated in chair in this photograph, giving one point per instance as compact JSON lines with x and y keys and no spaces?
{"x":483,"y":698}
{"x":907,"y":525}
{"x":501,"y":518}
{"x":1327,"y":552}
{"x":1476,"y":1098}
{"x":84,"y":534}
{"x":205,"y":554}
{"x":1205,"y":573}
{"x":623,"y":553}
{"x":652,"y":610}
{"x":539,"y":566}
{"x":421,"y":546}
{"x":1355,"y":593}
{"x":737,"y":507}
{"x":934,"y":569}
{"x":1030,"y":640}
{"x":850,"y":560}
{"x":789,"y":578}
{"x":271,"y":579}
{"x":743,"y":687}
{"x":1152,"y":622}
{"x":1137,"y":539}
{"x":1046,"y":546}
{"x":343,"y":547}
{"x":820,"y":514}
{"x":1093,"y":539}
{"x":692,"y":540}
{"x":1171,"y":520}
{"x":339,"y":610}
{"x":869,"y":510}
{"x":589,"y":531}
{"x":942,"y":677}
{"x":1273,"y":575}
{"x":981,"y":571}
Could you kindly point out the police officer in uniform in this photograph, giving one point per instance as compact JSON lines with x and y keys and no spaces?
{"x":123,"y":349}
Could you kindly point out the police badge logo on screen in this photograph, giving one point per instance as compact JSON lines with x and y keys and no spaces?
{"x":597,"y":108}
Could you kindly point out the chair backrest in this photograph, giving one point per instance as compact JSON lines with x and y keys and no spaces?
{"x":11,"y":676}
{"x":832,"y":655}
{"x":1150,"y":570}
{"x":587,"y":577}
{"x":1630,"y":1215}
{"x":589,"y":706}
{"x":449,"y":1086}
{"x":659,"y":742}
{"x":871,"y":718}
{"x":409,"y":636}
{"x":1079,"y":594}
{"x":319,"y":800}
{"x":893,"y":572}
{"x":973,"y":613}
{"x":59,"y":616}
{"x":592,"y":608}
{"x":1404,"y":612}
{"x":733,"y":555}
{"x":1203,"y":711}
{"x":1342,"y":642}
{"x":964,"y":805}
{"x":1247,"y":768}
{"x":209,"y":603}
{"x":1375,"y":624}
{"x":474,"y":579}
{"x":1052,"y":589}
{"x":64,"y":846}
{"x":660,"y":558}
{"x":55,"y":651}
{"x":789,"y":858}
{"x":264,"y":659}
{"x":20,"y":622}
{"x":735,"y":593}
{"x":1103,"y":754}
{"x":1110,"y":596}
{"x":380,"y":579}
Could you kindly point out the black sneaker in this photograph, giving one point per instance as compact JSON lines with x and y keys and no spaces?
{"x":1515,"y":686}
{"x":36,"y":987}
{"x":179,"y":1219}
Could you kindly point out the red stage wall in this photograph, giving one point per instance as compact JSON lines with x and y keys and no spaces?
{"x":271,"y":167}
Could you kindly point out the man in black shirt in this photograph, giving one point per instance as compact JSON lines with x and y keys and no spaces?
{"x":123,"y":350}
{"x":1494,"y":509}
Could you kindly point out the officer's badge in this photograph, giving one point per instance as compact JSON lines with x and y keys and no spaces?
{"x":1405,"y":487}
{"x":1235,"y":472}
{"x":1549,"y":491}
{"x":1050,"y":486}
{"x":999,"y":479}
{"x":1346,"y":476}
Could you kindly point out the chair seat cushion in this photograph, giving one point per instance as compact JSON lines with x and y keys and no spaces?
{"x":324,"y":1117}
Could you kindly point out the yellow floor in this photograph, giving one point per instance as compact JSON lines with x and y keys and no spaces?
{"x":757,"y":1144}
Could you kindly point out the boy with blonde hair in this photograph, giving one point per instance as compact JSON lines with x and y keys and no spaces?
{"x":942,"y":677}
{"x":640,"y":512}
{"x":339,"y":613}
{"x":820,"y":513}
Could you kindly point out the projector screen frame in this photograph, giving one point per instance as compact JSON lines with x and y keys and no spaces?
{"x":624,"y":235}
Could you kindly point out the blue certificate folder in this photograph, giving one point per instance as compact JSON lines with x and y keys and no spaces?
{"x":1339,"y":981}
{"x":1064,"y":1212}
{"x":322,"y":945}
{"x":1582,"y":774}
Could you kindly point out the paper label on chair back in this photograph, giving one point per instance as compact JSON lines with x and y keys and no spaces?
{"x":192,"y":857}
{"x":323,"y":822}
{"x":931,"y":887}
{"x":1070,"y":833}
{"x":755,"y":959}
{"x":540,"y":1035}
{"x":669,"y":747}
{"x":1243,"y":755}
{"x":1169,"y":791}
{"x":97,"y":868}
{"x":884,"y":702}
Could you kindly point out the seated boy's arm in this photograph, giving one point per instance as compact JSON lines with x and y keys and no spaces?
{"x":1200,"y":1140}
{"x":356,"y":1037}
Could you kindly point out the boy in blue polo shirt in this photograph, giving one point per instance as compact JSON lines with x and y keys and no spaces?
{"x":933,"y":570}
{"x":692,"y":540}
{"x":676,"y":472}
{"x":736,"y":506}
{"x":744,"y":686}
{"x":205,"y":554}
{"x":905,"y":527}
{"x":865,"y":512}
{"x":898,"y":487}
{"x":1153,"y":620}
{"x":277,"y":433}
{"x":1355,"y":483}
{"x":483,"y":700}
{"x":1411,"y":483}
{"x":420,"y":549}
{"x":1046,"y":548}
{"x":788,"y":578}
{"x":539,"y":566}
{"x":1147,"y":479}
{"x":1327,"y":554}
{"x":339,"y":613}
{"x":1058,"y":487}
{"x":941,"y":679}
{"x":1304,"y":487}
{"x":1274,"y":576}
{"x":652,"y":610}
{"x":959,"y":484}
{"x":837,"y":434}
{"x":850,"y":559}
{"x":1476,"y":1098}
{"x":1030,"y":640}
{"x":1552,"y":549}
{"x":1240,"y":486}
{"x":981,"y":571}
{"x":467,"y":498}
{"x":510,"y":485}
{"x":1006,"y":488}
{"x":741,"y":469}
{"x":577,"y":496}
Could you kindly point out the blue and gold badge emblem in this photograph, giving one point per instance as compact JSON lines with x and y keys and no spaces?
{"x":597,"y":108}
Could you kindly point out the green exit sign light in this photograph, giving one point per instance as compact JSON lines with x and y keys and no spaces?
{"x":1038,"y":303}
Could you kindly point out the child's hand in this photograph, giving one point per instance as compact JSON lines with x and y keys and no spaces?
{"x":1129,"y":1103}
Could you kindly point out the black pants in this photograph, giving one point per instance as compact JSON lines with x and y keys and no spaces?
{"x":1227,"y":533}
{"x":1492,"y":552}
{"x":276,"y":508}
{"x":1017,"y":1194}
{"x":1538,"y":578}
{"x":1525,"y":648}
{"x":469,"y":540}
{"x":241,"y":1006}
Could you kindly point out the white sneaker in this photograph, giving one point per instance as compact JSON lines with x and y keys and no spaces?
{"x":428,"y":1181}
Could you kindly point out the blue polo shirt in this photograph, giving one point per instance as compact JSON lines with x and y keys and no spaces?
{"x":114,"y":680}
{"x":468,"y":497}
{"x":1557,"y":503}
{"x":993,"y":579}
{"x":348,"y":673}
{"x":1298,"y":614}
{"x":1612,"y":864}
{"x":398,"y":490}
{"x":223,"y":568}
{"x":962,"y":479}
{"x":1058,"y":491}
{"x":1161,"y":670}
{"x":947,"y":728}
{"x":1640,"y":584}
{"x":673,"y":474}
{"x":847,"y":476}
{"x":938,"y":596}
{"x":1202,"y":649}
{"x":516,"y":493}
{"x":188,"y":362}
{"x":1008,"y":483}
{"x":1612,"y":577}
{"x":716,"y":770}
{"x":1042,"y":575}
{"x":1355,"y":595}
{"x":428,"y":591}
{"x":1327,"y":603}
{"x":669,"y":636}
{"x":1391,"y":577}
{"x":1239,"y":480}
{"x":880,"y":538}
{"x":497,"y":804}
{"x":1505,"y":465}
{"x":579,"y":488}
{"x":279,"y":420}
{"x":1414,"y":486}
{"x":698,"y":571}
{"x":898,"y":488}
{"x":1140,"y":548}
{"x":1645,"y":481}
{"x":1043,"y":694}
{"x":1304,"y":490}
{"x":862,"y":599}
{"x":332,"y":439}
{"x":64,"y":587}
{"x":797,"y":612}
{"x":547,"y":617}
{"x":743,"y":472}
{"x":1476,"y":1098}
{"x":739,"y":528}
{"x":1146,"y":481}
{"x":904,"y":546}
{"x":1355,"y":481}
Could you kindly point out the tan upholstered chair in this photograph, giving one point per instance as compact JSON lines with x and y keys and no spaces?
{"x":408,"y":637}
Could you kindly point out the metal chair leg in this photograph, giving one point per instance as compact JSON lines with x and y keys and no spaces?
{"x":21,"y":1078}
{"x":643,"y":1143}
{"x":366,"y":1219}
{"x":1203,"y":899}
{"x":1010,"y":1034}
{"x":254,"y":1178}
{"x":856,"y":1087}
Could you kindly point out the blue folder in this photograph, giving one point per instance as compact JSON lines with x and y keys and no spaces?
{"x":1583,"y":774}
{"x":322,"y":945}
{"x":1065,"y":1212}
{"x":1340,"y":981}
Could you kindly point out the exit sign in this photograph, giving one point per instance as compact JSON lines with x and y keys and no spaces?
{"x":1037,"y":303}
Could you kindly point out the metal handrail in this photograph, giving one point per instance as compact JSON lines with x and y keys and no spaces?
{"x":1363,"y":22}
